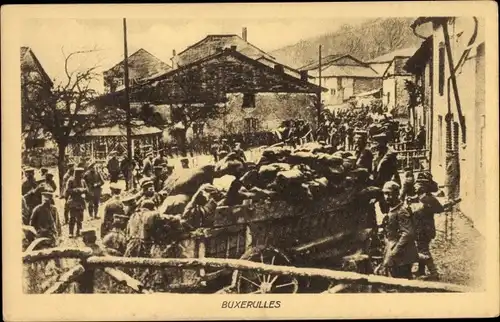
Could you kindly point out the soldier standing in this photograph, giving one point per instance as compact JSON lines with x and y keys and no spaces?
{"x":148,"y":193}
{"x":147,"y":165}
{"x":45,"y":219}
{"x":424,"y":209}
{"x":49,"y":181}
{"x":158,"y":178}
{"x":214,"y":150}
{"x":69,"y":173}
{"x":115,"y":241}
{"x":400,"y":249}
{"x":385,"y":163}
{"x":364,"y":157}
{"x":94,"y":184}
{"x":160,"y":159}
{"x":75,"y":194}
{"x":113,"y":167}
{"x":114,"y":206}
{"x":30,"y":182}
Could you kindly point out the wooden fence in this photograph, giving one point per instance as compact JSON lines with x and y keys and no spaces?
{"x":83,"y":273}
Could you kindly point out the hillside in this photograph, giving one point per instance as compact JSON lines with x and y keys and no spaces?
{"x":370,"y":39}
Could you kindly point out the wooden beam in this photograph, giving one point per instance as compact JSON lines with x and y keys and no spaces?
{"x":244,"y":265}
{"x":125,"y":279}
{"x":58,"y":252}
{"x":66,"y":279}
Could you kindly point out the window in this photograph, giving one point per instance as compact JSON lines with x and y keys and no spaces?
{"x":441,"y":63}
{"x":332,"y":91}
{"x":339,"y":82}
{"x":248,"y":100}
{"x":251,"y":124}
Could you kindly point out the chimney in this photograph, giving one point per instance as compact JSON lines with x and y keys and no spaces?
{"x":244,"y":33}
{"x":279,"y":68}
{"x":303,"y":76}
{"x":174,"y":59}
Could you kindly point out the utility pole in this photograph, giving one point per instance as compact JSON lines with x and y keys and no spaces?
{"x":319,"y":93}
{"x":129,"y":180}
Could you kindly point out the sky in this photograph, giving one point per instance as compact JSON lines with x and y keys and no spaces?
{"x":51,"y":39}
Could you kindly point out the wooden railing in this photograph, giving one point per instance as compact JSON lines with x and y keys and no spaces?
{"x":83,"y":272}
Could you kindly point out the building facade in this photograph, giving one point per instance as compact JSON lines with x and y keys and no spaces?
{"x":454,"y":116}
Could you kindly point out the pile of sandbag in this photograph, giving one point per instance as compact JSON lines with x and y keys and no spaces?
{"x":307,"y":173}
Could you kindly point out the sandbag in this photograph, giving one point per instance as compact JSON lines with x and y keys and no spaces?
{"x":174,"y":204}
{"x":301,"y":158}
{"x":228,"y":166}
{"x":224,"y":183}
{"x":187,"y":181}
{"x":267,"y":173}
{"x":250,"y":179}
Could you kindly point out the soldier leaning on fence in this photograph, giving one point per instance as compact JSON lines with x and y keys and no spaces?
{"x":114,"y":206}
{"x":424,"y":206}
{"x":399,"y":229}
{"x":45,"y":219}
{"x":115,"y":240}
{"x":75,"y":194}
{"x":69,"y":173}
{"x":94,"y":182}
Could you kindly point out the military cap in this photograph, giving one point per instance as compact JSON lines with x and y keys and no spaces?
{"x":114,"y":187}
{"x":120,"y":217}
{"x":78,"y":169}
{"x":29,"y":170}
{"x":113,"y":153}
{"x":146,"y":183}
{"x":89,"y":233}
{"x":224,"y":140}
{"x":390,"y":186}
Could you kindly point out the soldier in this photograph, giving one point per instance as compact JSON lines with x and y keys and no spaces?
{"x":30,"y":182}
{"x":400,"y":249}
{"x":34,"y":197}
{"x":89,"y":238}
{"x":364,"y":157}
{"x":224,"y":149}
{"x":94,"y":183}
{"x":147,"y":165}
{"x":114,"y":206}
{"x":408,"y":186}
{"x":385,"y":163}
{"x":49,"y":181}
{"x":45,"y":219}
{"x":214,"y":150}
{"x":424,"y":208}
{"x":113,"y":167}
{"x":158,"y":178}
{"x":148,"y":193}
{"x":25,"y":211}
{"x":75,"y":194}
{"x":130,"y":205}
{"x":137,"y":243}
{"x":420,"y":139}
{"x":160,"y":159}
{"x":185,"y":163}
{"x":115,"y":241}
{"x":239,"y":152}
{"x":69,"y":173}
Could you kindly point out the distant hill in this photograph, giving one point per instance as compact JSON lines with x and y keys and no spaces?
{"x":365,"y":41}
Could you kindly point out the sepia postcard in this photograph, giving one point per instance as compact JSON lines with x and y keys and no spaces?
{"x":250,"y":161}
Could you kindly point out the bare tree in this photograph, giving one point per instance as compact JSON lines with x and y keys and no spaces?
{"x":64,"y":111}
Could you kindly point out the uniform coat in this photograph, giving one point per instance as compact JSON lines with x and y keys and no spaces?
{"x":114,"y":169}
{"x":400,"y":246}
{"x":28,"y":185}
{"x":364,"y":159}
{"x":111,"y":207}
{"x":423,"y":214}
{"x":147,"y":167}
{"x":45,"y":220}
{"x":385,"y":167}
{"x":115,"y":241}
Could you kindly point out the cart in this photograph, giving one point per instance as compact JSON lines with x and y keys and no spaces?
{"x":330,"y":233}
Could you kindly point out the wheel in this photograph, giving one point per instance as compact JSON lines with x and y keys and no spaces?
{"x":250,"y":282}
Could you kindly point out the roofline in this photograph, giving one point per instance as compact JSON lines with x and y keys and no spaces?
{"x":37,"y":62}
{"x":337,"y":58}
{"x":291,"y":68}
{"x":121,"y":61}
{"x":224,"y":35}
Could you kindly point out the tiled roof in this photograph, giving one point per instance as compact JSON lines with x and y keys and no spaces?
{"x":138,"y":129}
{"x":209,"y":45}
{"x":405,"y":52}
{"x":24,"y":50}
{"x":348,"y":71}
{"x":324,"y":61}
{"x":143,"y":64}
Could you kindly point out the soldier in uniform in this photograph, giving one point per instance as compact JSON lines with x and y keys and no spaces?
{"x":147,"y":165}
{"x":158,"y":178}
{"x":160,"y":159}
{"x":224,"y":149}
{"x":75,"y":194}
{"x":364,"y":157}
{"x":94,"y":182}
{"x":400,"y":248}
{"x":113,"y":167}
{"x":34,"y":197}
{"x":385,"y":163}
{"x":69,"y":173}
{"x":424,"y":207}
{"x":45,"y":219}
{"x":148,"y":193}
{"x":49,"y":181}
{"x":214,"y":150}
{"x":25,"y":211}
{"x":30,"y":182}
{"x":115,"y":241}
{"x":114,"y":206}
{"x":137,"y":243}
{"x":239,"y":152}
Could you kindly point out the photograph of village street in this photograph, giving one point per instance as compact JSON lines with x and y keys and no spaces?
{"x":252,"y":157}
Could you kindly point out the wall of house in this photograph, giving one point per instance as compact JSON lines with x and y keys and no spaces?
{"x":388,"y":86}
{"x":470,"y":82}
{"x":269,"y":111}
{"x":361,"y":85}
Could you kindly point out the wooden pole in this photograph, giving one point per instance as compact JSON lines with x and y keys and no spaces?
{"x":319,"y":92}
{"x":129,"y":182}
